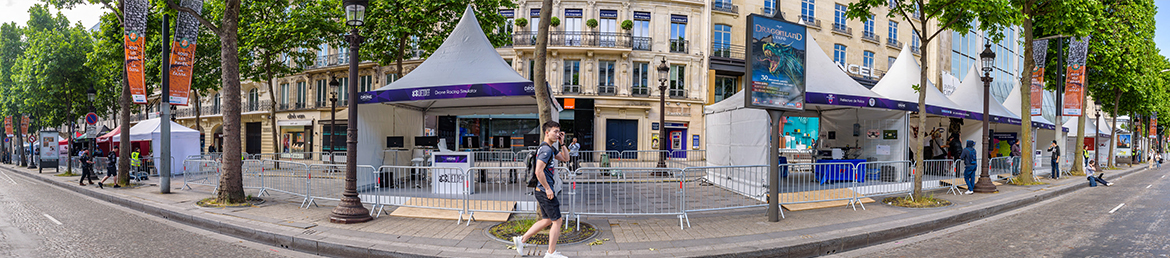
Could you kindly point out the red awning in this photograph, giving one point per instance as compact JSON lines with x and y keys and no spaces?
{"x":106,"y":137}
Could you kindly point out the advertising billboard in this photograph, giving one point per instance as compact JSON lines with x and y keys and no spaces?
{"x":776,"y":61}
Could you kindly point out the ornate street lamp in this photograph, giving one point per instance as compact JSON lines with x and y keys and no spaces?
{"x":663,"y":72}
{"x":988,"y":57}
{"x":333,"y":85}
{"x":1097,"y":135}
{"x":350,"y":210}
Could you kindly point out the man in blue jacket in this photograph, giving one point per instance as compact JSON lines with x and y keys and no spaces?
{"x":968,"y":158}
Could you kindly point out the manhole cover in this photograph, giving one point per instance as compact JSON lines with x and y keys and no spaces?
{"x":571,"y":235}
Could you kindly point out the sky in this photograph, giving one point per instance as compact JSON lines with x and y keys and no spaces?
{"x":17,"y":11}
{"x":1162,"y":27}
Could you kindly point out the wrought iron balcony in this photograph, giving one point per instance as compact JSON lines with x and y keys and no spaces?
{"x":571,"y":89}
{"x":678,"y":46}
{"x":577,"y":39}
{"x":606,"y":90}
{"x":641,"y":43}
{"x":640,"y":91}
{"x":871,"y":37}
{"x":725,"y":50}
{"x":842,"y":29}
{"x":810,"y":21}
{"x":724,"y":6}
{"x":916,"y":50}
{"x":893,"y":42}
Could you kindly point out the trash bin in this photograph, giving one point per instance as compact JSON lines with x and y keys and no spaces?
{"x":604,"y":163}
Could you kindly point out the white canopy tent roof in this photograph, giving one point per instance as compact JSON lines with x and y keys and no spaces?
{"x":1091,"y":128}
{"x":465,"y":75}
{"x":969,"y":94}
{"x":1012,"y":102}
{"x":184,"y":141}
{"x":829,"y":85}
{"x":897,"y":86}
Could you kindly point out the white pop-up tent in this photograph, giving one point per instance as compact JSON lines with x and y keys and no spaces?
{"x":897,"y":85}
{"x":969,"y":95}
{"x":184,"y":141}
{"x":464,"y":76}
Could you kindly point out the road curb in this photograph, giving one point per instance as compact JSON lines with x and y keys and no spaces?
{"x":839,"y":241}
{"x":293,"y":242}
{"x":843,"y":242}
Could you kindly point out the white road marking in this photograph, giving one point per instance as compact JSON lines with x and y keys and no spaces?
{"x":51,"y":218}
{"x":1110,"y":211}
{"x":1148,"y":186}
{"x":8,"y":177}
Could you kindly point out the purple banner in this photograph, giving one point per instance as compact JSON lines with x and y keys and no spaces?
{"x":871,"y":102}
{"x":448,"y":92}
{"x":450,"y":158}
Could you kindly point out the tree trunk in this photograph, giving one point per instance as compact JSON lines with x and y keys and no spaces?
{"x":539,"y":74}
{"x":1078,"y":162}
{"x":198,"y":115}
{"x":272,"y":108}
{"x":1027,"y":151}
{"x":231,"y":184}
{"x":1113,"y":127}
{"x":919,"y":160}
{"x":401,"y":53}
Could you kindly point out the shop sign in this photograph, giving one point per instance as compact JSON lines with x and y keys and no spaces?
{"x":608,"y":14}
{"x":674,"y":18}
{"x":645,"y":16}
{"x":509,"y":13}
{"x":856,"y":69}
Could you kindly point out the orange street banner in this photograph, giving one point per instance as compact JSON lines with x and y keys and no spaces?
{"x":1153,"y":127}
{"x":1037,"y":88}
{"x":24,"y":125}
{"x":134,"y":36}
{"x":1074,"y":89}
{"x":182,"y":64}
{"x":8,"y":124}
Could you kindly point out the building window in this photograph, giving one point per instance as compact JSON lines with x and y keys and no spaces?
{"x":284,"y":94}
{"x":572,"y":27}
{"x":725,"y":86}
{"x":301,"y":94}
{"x":334,"y":139}
{"x":391,"y":77}
{"x":839,"y":15}
{"x":322,"y":90}
{"x":722,"y":41}
{"x":534,"y":21}
{"x":572,"y":79}
{"x":215,"y":103}
{"x":915,"y":43}
{"x":608,"y":28}
{"x":769,"y":7}
{"x":509,"y":19}
{"x":869,"y":26}
{"x":253,"y":99}
{"x":641,"y":31}
{"x":605,"y":77}
{"x":678,"y":34}
{"x":342,"y":55}
{"x":677,"y":83}
{"x":890,"y":62}
{"x":808,"y":10}
{"x":365,"y":83}
{"x":867,"y":59}
{"x":641,"y":78}
{"x":839,"y":54}
{"x":531,"y":68}
{"x":343,"y":91}
{"x":893,"y":31}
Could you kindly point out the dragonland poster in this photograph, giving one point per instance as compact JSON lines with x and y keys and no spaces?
{"x":776,"y":64}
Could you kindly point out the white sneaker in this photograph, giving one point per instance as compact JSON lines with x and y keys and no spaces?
{"x":968,"y":192}
{"x":519,"y":244}
{"x":555,"y":255}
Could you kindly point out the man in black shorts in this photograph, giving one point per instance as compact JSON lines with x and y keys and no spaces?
{"x":549,"y":189}
{"x":111,"y":167}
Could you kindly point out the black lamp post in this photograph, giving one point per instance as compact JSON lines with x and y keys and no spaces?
{"x":988,"y":57}
{"x":663,"y":72}
{"x":350,"y":210}
{"x":91,"y":94}
{"x":333,"y":84}
{"x":1097,"y":136}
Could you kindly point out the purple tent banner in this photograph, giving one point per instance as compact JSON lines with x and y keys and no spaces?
{"x":450,"y":158}
{"x":448,"y":92}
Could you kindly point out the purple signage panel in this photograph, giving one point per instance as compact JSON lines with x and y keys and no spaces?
{"x":450,"y":158}
{"x":448,"y":92}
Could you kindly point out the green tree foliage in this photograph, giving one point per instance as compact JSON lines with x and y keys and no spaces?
{"x":395,"y":27}
{"x":941,"y":16}
{"x":302,"y":26}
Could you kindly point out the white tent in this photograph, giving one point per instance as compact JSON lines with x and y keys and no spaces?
{"x":184,"y":141}
{"x":969,"y":95}
{"x":465,"y":76}
{"x":739,"y":136}
{"x":897,"y":85}
{"x":1013,"y":102}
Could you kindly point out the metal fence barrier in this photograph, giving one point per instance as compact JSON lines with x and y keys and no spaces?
{"x":637,"y":192}
{"x":724,"y":188}
{"x":201,"y":172}
{"x":407,"y":186}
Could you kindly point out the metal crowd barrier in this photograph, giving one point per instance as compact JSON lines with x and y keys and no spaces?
{"x":201,"y":172}
{"x":638,"y":192}
{"x":724,"y":188}
{"x":407,"y":186}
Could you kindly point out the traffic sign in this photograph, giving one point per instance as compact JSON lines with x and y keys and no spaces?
{"x":32,"y":138}
{"x":91,"y":118}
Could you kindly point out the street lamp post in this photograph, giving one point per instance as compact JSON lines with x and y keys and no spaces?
{"x":988,"y":57}
{"x":1097,"y":136}
{"x":663,"y":72}
{"x":333,"y":84}
{"x":91,"y":94}
{"x":350,"y":210}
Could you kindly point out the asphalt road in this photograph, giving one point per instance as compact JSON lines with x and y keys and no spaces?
{"x":1127,"y":219}
{"x":40,"y":220}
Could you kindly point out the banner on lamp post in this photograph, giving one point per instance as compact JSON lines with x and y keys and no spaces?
{"x":134,"y":31}
{"x":182,"y":64}
{"x":1040,"y":50}
{"x":1153,"y":126}
{"x":1074,"y":87}
{"x":24,"y":125}
{"x":8,"y":124}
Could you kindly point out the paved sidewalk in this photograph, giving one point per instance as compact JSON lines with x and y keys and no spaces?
{"x":280,"y":222}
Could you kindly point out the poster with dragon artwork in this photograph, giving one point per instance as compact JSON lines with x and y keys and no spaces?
{"x":776,"y":64}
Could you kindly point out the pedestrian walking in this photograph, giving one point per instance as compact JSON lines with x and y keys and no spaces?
{"x":86,"y":168}
{"x":111,"y":168}
{"x":548,"y":190}
{"x":574,"y":153}
{"x":1054,"y":150}
{"x":968,"y":157}
{"x":1093,"y":180}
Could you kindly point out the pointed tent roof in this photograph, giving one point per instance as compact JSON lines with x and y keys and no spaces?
{"x":829,"y":85}
{"x":1091,"y":129}
{"x":896,"y":85}
{"x":969,"y":94}
{"x":1013,"y":100}
{"x":465,"y":71}
{"x":143,"y":130}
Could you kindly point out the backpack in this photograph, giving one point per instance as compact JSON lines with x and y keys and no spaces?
{"x":530,"y":164}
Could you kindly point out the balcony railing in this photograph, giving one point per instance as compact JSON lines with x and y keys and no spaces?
{"x":325,"y":104}
{"x":678,"y":46}
{"x":571,"y":89}
{"x":725,"y":50}
{"x":607,"y":90}
{"x":841,"y":28}
{"x":247,"y":106}
{"x":724,"y":6}
{"x":916,"y":50}
{"x":678,"y":93}
{"x":893,"y":42}
{"x":641,"y":43}
{"x":640,"y":91}
{"x":810,"y":21}
{"x":576,"y":39}
{"x":768,"y":11}
{"x":871,"y":37}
